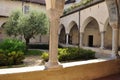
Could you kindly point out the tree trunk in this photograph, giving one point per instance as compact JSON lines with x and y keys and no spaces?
{"x":27,"y":43}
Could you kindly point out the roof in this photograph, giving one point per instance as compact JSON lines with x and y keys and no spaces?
{"x":69,"y":1}
{"x":42,"y":2}
{"x":3,"y":16}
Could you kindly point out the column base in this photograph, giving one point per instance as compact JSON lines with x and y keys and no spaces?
{"x":80,"y":46}
{"x":115,"y":55}
{"x":67,"y":45}
{"x":53,"y":65}
{"x":102,"y":48}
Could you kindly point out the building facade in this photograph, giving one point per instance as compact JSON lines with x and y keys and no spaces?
{"x":7,"y":6}
{"x":87,"y":26}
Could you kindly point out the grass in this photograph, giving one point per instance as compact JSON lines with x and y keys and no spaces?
{"x":33,"y":52}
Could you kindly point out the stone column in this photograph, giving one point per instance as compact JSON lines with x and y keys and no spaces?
{"x":53,"y":44}
{"x":67,"y":38}
{"x":81,"y":39}
{"x":115,"y":41}
{"x":102,"y":39}
{"x":54,"y":11}
{"x":114,"y":20}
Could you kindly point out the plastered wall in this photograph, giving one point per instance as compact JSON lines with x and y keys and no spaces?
{"x":82,"y":72}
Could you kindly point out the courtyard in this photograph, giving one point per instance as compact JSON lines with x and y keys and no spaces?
{"x":83,"y":38}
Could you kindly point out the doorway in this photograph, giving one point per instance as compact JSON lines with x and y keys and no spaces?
{"x":90,"y":40}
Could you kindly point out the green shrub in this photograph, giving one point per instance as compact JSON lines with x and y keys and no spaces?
{"x":72,"y":54}
{"x":11,"y":52}
{"x":12,"y":58}
{"x":87,"y":54}
{"x":3,"y":59}
{"x":45,"y":56}
{"x":15,"y":58}
{"x":81,"y":54}
{"x":40,"y":46}
{"x":10,"y":45}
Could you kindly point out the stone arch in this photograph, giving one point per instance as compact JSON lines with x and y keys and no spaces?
{"x":108,"y":36}
{"x":91,"y":31}
{"x":60,"y":28}
{"x":106,"y":24}
{"x":71,"y":24}
{"x":2,"y":33}
{"x":85,"y":23}
{"x":2,"y":26}
{"x":62,"y":34}
{"x":73,"y":33}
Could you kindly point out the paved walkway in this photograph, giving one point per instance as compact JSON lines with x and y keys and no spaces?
{"x":112,"y":77}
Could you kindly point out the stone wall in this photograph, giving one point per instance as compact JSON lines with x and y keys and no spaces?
{"x":88,"y":71}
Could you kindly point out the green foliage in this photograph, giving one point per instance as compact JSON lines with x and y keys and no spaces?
{"x":15,"y":58}
{"x":82,"y":2}
{"x":27,"y":25}
{"x":11,"y":26}
{"x":33,"y":52}
{"x":3,"y":59}
{"x":71,"y":54}
{"x":45,"y":56}
{"x":9,"y":45}
{"x":12,"y":58}
{"x":11,"y":52}
{"x":40,"y":46}
{"x":32,"y":24}
{"x":86,"y":1}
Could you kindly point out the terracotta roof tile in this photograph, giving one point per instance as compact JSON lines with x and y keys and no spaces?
{"x":43,"y":1}
{"x":36,"y":1}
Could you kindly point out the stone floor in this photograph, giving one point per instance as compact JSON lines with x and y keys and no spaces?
{"x":112,"y":77}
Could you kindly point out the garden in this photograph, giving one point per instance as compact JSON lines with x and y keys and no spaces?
{"x":17,"y":52}
{"x":13,"y":52}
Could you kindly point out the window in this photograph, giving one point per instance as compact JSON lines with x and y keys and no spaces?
{"x":26,"y":9}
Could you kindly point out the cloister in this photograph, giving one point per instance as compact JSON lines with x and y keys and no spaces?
{"x":85,"y":28}
{"x":88,"y":26}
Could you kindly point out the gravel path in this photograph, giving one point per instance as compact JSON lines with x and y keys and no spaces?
{"x":32,"y":61}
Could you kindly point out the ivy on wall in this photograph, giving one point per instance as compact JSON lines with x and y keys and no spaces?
{"x":83,"y":2}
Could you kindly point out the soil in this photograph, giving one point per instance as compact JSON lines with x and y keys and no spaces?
{"x":33,"y":61}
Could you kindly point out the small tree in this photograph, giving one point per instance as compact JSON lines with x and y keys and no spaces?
{"x":33,"y":24}
{"x":27,"y":25}
{"x":11,"y":27}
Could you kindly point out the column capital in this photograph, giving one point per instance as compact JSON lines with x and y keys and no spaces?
{"x":53,"y":14}
{"x":67,"y":33}
{"x":102,"y":32}
{"x":114,"y":25}
{"x":57,"y":5}
{"x":81,"y":32}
